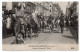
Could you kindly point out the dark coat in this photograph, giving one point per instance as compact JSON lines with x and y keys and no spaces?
{"x":61,"y":23}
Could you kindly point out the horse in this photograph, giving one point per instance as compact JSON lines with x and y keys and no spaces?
{"x":50,"y":24}
{"x":31,"y":27}
{"x":14,"y":25}
{"x":41,"y":22}
{"x":45,"y":24}
{"x":42,"y":25}
{"x":17,"y":29}
{"x":57,"y":23}
{"x":34,"y":27}
{"x":21,"y":27}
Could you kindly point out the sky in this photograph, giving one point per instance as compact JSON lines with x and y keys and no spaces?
{"x":63,"y":6}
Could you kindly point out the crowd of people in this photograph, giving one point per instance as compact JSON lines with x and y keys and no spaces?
{"x":23,"y":23}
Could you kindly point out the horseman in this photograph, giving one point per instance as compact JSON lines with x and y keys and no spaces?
{"x":67,"y":23}
{"x":19,"y":21}
{"x":41,"y":19}
{"x":20,"y":13}
{"x":61,"y":23}
{"x":50,"y":23}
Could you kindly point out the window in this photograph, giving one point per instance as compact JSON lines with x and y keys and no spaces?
{"x":50,"y":5}
{"x":50,"y":10}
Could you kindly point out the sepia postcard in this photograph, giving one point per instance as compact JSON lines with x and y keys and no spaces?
{"x":28,"y":26}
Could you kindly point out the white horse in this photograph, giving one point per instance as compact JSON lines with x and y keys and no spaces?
{"x":56,"y":23}
{"x":58,"y":20}
{"x":8,"y":23}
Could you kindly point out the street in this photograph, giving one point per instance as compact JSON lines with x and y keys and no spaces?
{"x":40,"y":25}
{"x":47,"y":38}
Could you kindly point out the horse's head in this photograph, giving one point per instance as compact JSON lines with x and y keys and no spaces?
{"x":8,"y":22}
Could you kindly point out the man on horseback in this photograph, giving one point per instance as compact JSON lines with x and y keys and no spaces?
{"x":50,"y":23}
{"x":18,"y":26}
{"x":62,"y":22}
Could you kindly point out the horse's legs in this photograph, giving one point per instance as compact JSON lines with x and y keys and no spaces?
{"x":13,"y":32}
{"x":25,"y":28}
{"x":17,"y":31}
{"x":30,"y":33}
{"x":16,"y":36}
{"x":50,"y":27}
{"x":22,"y":28}
{"x":22,"y":34}
{"x":58,"y":27}
{"x":36,"y":31}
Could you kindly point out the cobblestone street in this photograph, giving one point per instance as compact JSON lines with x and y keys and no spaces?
{"x":47,"y":38}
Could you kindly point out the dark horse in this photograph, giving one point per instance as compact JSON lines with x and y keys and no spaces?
{"x":31,"y":27}
{"x":41,"y":22}
{"x":16,"y":28}
{"x":50,"y":23}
